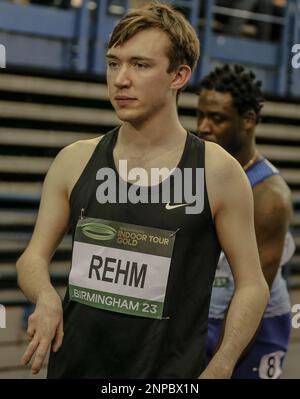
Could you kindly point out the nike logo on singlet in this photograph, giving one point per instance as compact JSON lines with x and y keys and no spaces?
{"x":169,"y":207}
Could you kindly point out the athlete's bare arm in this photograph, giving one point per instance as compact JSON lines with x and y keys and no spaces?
{"x":46,"y":323}
{"x":272,"y":213}
{"x":231,"y":201}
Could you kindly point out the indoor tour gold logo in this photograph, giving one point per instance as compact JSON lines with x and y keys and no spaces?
{"x":98,"y":231}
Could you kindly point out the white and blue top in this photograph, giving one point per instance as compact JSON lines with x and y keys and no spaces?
{"x":223,"y":287}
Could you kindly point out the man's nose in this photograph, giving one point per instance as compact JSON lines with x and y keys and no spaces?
{"x":203,"y":126}
{"x":122,"y":78}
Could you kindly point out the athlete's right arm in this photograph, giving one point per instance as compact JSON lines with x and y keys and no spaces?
{"x":46,"y":322}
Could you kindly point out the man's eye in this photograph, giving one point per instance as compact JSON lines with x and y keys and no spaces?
{"x":217,"y":119}
{"x":112,"y":64}
{"x":140,"y":65}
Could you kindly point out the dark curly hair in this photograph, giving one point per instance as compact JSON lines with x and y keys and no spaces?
{"x":242,"y":85}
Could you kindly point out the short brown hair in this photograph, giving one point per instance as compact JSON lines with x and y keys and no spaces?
{"x":184,"y":47}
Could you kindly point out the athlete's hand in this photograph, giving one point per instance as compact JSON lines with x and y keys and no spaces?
{"x":44,"y":325}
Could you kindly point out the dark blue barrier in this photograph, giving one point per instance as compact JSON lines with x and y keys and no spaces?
{"x":76,"y":39}
{"x":45,"y":37}
{"x":269,"y":60}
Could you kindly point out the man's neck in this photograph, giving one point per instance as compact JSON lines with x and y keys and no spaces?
{"x":164,"y":129}
{"x":151,"y":145}
{"x":247,"y":156}
{"x":148,"y":138}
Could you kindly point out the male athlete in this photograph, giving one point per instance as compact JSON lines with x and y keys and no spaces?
{"x":142,"y":270}
{"x":230,"y":101}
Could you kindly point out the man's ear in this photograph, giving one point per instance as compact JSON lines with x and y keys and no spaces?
{"x":250,"y":120}
{"x":181,"y":77}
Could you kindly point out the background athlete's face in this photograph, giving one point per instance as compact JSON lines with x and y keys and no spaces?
{"x":219,"y":121}
{"x":137,"y":77}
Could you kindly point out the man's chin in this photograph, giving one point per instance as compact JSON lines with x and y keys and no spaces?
{"x":124,"y":115}
{"x":131,"y":118}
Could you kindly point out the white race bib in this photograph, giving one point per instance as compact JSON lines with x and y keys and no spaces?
{"x":121,"y":267}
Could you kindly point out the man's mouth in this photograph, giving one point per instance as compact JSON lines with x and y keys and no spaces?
{"x":124,"y":100}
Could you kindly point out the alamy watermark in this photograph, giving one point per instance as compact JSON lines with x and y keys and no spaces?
{"x":2,"y":316}
{"x":2,"y":56}
{"x":175,"y":187}
{"x":296,"y":57}
{"x":296,"y":316}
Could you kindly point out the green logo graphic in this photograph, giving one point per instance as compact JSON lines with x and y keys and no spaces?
{"x":98,"y":231}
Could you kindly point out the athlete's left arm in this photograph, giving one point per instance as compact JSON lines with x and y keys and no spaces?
{"x":272,"y":213}
{"x":231,"y":202}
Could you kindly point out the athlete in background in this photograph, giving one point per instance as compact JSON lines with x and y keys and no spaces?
{"x":230,"y":101}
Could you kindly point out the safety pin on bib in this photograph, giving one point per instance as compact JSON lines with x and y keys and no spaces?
{"x":173,"y":234}
{"x":81,"y":213}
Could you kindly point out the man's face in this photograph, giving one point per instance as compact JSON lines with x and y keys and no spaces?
{"x":219,"y":121}
{"x":137,"y":78}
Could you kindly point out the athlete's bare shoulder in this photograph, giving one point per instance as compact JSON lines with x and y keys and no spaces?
{"x":73,"y":158}
{"x":216,"y":154}
{"x":81,"y":147}
{"x":219,"y":163}
{"x":273,"y":187}
{"x":272,"y":198}
{"x":224,"y":176}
